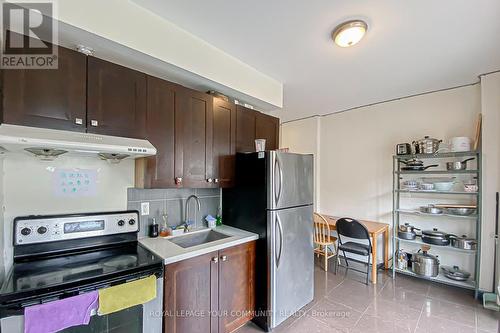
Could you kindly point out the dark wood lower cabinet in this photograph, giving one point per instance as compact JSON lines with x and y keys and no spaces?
{"x":237,"y":290}
{"x":210,"y":293}
{"x":189,"y":295}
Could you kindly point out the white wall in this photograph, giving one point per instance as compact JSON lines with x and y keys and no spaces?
{"x":490,"y":108}
{"x":28,"y":189}
{"x":356,"y":149}
{"x":303,"y":137}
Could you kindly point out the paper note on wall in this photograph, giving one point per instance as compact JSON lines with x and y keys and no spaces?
{"x":74,"y":182}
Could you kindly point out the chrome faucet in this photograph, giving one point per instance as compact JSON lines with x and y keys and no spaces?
{"x":186,"y":211}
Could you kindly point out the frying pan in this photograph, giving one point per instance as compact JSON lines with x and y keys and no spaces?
{"x":416,"y":165}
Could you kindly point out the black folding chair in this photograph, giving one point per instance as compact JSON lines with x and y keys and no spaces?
{"x":351,"y":228}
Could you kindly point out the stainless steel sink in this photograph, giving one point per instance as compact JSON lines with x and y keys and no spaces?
{"x":197,"y":238}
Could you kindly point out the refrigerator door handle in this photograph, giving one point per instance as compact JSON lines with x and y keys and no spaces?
{"x":277,"y":192}
{"x":280,"y":228}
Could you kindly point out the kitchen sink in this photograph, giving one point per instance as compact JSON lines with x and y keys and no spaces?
{"x":197,"y":238}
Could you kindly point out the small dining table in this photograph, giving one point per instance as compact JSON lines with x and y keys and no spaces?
{"x":374,"y":230}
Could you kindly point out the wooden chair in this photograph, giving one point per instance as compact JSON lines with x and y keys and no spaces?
{"x":323,"y":239}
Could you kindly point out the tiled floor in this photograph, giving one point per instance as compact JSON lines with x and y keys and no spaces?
{"x":342,"y":303}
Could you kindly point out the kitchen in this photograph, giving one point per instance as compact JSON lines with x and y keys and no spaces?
{"x":116,"y":91}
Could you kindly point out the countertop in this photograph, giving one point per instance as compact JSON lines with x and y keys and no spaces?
{"x":171,"y":252}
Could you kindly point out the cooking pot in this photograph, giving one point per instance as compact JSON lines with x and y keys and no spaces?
{"x":463,"y":242}
{"x":460,"y":143}
{"x":435,"y":237}
{"x":407,"y":231}
{"x":431,"y":209}
{"x":455,"y":273}
{"x":427,"y":145}
{"x":415,"y":165}
{"x":454,"y":166}
{"x":425,"y":264}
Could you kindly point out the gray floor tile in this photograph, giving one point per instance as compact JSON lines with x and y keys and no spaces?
{"x":430,"y":324}
{"x":487,"y":320}
{"x":394,"y":311}
{"x":402,"y":296}
{"x":452,"y":294}
{"x":334,"y":314}
{"x":372,"y":324}
{"x":461,"y":314}
{"x":308,"y":324}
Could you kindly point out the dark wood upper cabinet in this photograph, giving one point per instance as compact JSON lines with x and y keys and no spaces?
{"x":159,"y":171}
{"x":245,"y":129}
{"x":191,"y":285}
{"x":251,"y":125}
{"x":48,"y":98}
{"x":116,"y":99}
{"x":224,"y":142}
{"x":193,"y":144}
{"x":237,"y":293}
{"x":267,"y":127}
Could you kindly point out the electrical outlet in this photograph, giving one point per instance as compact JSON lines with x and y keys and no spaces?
{"x":144,"y":208}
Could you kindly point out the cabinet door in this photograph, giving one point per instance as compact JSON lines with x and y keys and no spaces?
{"x":116,"y":100}
{"x":237,"y":290}
{"x":49,"y":98}
{"x":245,"y":129}
{"x":160,"y":125}
{"x":194,"y":139}
{"x":191,"y":288}
{"x":224,"y":141}
{"x":267,"y":127}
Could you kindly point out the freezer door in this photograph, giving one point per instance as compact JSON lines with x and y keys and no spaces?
{"x":290,"y":245}
{"x":290,"y":180}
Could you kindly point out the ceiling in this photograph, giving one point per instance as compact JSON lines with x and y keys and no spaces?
{"x":411,"y":46}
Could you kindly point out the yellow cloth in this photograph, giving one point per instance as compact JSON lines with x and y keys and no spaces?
{"x":126,"y":295}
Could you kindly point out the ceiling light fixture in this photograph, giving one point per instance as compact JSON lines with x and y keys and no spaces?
{"x":349,"y":33}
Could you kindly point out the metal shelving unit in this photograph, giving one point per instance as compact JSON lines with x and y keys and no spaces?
{"x":398,"y":211}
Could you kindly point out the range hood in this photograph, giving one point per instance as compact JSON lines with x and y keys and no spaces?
{"x":48,"y":144}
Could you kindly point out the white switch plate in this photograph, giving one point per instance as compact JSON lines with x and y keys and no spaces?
{"x":144,"y":208}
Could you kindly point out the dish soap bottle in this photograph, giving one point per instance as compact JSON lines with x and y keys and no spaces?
{"x":218,"y":217}
{"x":165,"y":229}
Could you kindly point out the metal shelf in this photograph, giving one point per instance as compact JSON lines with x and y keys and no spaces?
{"x":438,"y":155}
{"x":458,"y":196}
{"x":436,"y":192}
{"x":437,"y":247}
{"x":469,"y":284}
{"x":416,"y":212}
{"x":438,"y":172}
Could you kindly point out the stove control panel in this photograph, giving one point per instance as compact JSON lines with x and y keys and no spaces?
{"x":42,"y":229}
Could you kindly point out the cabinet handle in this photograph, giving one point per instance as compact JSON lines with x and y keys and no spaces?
{"x":178,"y":180}
{"x":215,"y":259}
{"x":216,"y":180}
{"x":79,"y":121}
{"x":94,"y":123}
{"x":223,"y":258}
{"x":210,"y":180}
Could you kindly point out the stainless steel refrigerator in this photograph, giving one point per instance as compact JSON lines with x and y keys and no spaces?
{"x":273,"y":196}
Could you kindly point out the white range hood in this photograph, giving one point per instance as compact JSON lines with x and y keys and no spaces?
{"x":48,"y":144}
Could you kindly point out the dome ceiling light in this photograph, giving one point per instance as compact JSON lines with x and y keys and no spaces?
{"x":349,"y":33}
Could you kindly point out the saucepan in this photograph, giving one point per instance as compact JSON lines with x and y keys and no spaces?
{"x":455,"y":166}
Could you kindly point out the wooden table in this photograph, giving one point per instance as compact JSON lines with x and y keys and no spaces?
{"x":374,"y":229}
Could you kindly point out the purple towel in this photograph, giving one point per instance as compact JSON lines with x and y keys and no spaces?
{"x":58,"y":315}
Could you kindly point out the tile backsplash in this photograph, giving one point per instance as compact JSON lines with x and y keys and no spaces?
{"x":173,"y":203}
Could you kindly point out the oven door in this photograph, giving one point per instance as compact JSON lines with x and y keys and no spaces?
{"x":144,"y":318}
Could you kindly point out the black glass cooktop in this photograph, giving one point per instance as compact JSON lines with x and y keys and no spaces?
{"x":71,"y":274}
